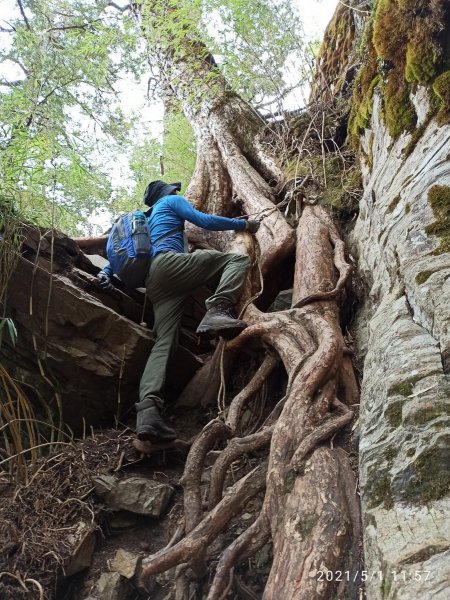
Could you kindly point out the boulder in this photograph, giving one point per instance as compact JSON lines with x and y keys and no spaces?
{"x":135,"y":494}
{"x":125,"y":563}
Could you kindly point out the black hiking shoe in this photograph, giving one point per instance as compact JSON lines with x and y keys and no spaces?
{"x":150,"y":426}
{"x":220,"y":320}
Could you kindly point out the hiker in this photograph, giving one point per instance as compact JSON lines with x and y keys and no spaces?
{"x":174,"y":274}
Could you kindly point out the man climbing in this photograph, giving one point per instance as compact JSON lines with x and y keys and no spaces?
{"x":174,"y":274}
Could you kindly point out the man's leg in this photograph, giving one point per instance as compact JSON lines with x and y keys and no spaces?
{"x":177,"y":274}
{"x":150,"y":425}
{"x":188,"y":272}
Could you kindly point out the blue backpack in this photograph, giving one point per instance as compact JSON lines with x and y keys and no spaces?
{"x":129,"y":248}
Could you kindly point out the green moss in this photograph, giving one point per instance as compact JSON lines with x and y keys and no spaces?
{"x":407,"y":44}
{"x":410,"y":452}
{"x":386,"y":584}
{"x":441,"y":88}
{"x":423,"y":276}
{"x":401,"y":389}
{"x":439,"y":199}
{"x":360,"y":118}
{"x":399,"y":113}
{"x":393,"y":203}
{"x":380,"y":491}
{"x":401,"y":293}
{"x":305,"y":527}
{"x":289,"y":481}
{"x":393,"y":413}
{"x":431,"y":479}
{"x":370,"y":151}
{"x":390,"y":454}
{"x":366,"y":81}
{"x":417,"y":134}
{"x":421,"y":62}
{"x":429,"y":413}
{"x":408,"y":208}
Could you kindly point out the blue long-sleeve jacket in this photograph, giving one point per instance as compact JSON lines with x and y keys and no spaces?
{"x":170,"y":213}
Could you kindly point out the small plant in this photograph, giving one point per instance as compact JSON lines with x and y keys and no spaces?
{"x":8,"y":324}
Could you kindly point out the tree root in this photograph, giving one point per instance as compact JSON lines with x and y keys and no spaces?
{"x":191,"y":480}
{"x":236,"y":448}
{"x":244,"y":546}
{"x":206,"y":531}
{"x":309,"y":522}
{"x":257,"y":381}
{"x":321,"y":433}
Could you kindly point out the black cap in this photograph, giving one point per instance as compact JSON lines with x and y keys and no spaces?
{"x":158,"y":189}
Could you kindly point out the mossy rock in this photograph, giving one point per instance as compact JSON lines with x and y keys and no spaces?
{"x":421,"y":63}
{"x":439,"y":199}
{"x":393,"y":204}
{"x":399,"y":113}
{"x":393,"y":413}
{"x":423,"y":276}
{"x":407,"y":44}
{"x":431,"y":479}
{"x":379,"y":490}
{"x":441,"y":88}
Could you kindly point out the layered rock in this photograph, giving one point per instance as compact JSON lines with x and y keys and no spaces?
{"x":404,"y":339}
{"x":78,"y":349}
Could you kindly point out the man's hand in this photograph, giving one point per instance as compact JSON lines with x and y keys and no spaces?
{"x":252,"y":226}
{"x":105,"y":282}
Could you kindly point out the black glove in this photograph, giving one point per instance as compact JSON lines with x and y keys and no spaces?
{"x":104,"y":282}
{"x":252,"y":226}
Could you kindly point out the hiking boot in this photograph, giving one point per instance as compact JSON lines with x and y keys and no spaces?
{"x":220,"y":320}
{"x":150,"y":426}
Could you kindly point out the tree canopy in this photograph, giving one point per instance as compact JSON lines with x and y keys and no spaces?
{"x":62,"y":124}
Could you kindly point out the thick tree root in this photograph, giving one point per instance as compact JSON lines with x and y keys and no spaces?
{"x":310,"y":523}
{"x":236,"y":448}
{"x":191,"y":480}
{"x":206,"y":531}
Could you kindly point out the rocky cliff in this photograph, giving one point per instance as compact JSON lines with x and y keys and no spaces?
{"x":399,"y":125}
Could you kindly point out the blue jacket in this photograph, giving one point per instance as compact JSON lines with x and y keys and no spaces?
{"x":170,"y":212}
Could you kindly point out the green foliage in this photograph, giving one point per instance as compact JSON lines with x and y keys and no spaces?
{"x":254,"y":43}
{"x":58,"y":105}
{"x":172,"y":159}
{"x":249,"y":43}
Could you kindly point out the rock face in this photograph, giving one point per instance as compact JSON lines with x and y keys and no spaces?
{"x":82,"y":347}
{"x":403,"y":335}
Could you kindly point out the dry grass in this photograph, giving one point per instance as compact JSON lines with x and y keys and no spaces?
{"x":37,"y":517}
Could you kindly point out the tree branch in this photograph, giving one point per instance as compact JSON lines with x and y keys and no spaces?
{"x":22,"y":12}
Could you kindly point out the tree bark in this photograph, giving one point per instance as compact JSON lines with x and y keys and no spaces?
{"x":308,"y":510}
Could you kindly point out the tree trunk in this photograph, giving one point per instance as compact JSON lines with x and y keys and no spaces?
{"x":309,"y":511}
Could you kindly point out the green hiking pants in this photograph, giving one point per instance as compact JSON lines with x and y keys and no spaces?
{"x":172,"y":278}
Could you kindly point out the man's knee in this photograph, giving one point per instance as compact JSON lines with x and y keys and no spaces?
{"x":241,"y":259}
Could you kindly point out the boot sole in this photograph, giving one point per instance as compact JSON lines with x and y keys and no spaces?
{"x":225,"y":332}
{"x":147,"y":436}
